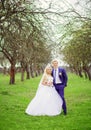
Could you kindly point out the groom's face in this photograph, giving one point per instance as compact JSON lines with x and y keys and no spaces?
{"x":55,"y":64}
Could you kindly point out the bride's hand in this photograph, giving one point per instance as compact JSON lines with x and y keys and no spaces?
{"x":44,"y":83}
{"x":49,"y":83}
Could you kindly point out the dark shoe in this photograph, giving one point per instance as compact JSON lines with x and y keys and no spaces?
{"x":65,"y":113}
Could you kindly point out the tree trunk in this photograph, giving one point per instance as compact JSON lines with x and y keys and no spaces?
{"x":42,"y":70}
{"x":4,"y":70}
{"x":85,"y":73}
{"x":31,"y":72}
{"x":87,"y":69}
{"x":39,"y":72}
{"x":76,"y":71}
{"x":89,"y":75}
{"x":12,"y":74}
{"x":80,"y":73}
{"x":27,"y":72}
{"x":22,"y":74}
{"x":36,"y":73}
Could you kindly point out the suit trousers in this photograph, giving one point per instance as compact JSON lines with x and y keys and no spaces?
{"x":60,"y":90}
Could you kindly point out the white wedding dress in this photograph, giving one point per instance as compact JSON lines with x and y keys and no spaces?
{"x":46,"y":101}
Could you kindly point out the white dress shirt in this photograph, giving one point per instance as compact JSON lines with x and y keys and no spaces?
{"x":56,"y":76}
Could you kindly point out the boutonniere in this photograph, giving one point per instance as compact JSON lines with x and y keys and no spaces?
{"x":60,"y":74}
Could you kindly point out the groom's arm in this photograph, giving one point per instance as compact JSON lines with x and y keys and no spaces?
{"x":65,"y":77}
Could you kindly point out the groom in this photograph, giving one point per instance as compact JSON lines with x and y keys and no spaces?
{"x":60,"y":81}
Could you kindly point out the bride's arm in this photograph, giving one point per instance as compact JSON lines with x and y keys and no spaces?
{"x":44,"y":80}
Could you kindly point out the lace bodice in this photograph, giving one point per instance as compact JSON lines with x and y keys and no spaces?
{"x":49,"y":79}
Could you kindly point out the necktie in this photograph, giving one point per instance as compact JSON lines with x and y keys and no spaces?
{"x":55,"y":75}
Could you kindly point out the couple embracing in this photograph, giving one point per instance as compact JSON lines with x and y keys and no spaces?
{"x":49,"y":99}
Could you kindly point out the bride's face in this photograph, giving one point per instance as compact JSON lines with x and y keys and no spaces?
{"x":49,"y":70}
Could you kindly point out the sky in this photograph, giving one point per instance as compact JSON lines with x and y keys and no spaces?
{"x":59,"y":5}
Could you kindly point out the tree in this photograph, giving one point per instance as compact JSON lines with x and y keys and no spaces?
{"x":77,"y":52}
{"x":17,"y":25}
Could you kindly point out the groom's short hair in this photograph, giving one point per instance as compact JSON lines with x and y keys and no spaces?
{"x":55,"y":60}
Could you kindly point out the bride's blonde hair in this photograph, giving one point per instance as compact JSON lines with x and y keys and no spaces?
{"x":45,"y":73}
{"x":48,"y":66}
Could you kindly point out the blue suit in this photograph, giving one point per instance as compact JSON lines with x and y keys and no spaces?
{"x":60,"y":86}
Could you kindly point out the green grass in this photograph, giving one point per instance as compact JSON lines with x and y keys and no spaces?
{"x":15,"y":98}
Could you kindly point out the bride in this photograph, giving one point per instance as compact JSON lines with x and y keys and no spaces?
{"x":46,"y":101}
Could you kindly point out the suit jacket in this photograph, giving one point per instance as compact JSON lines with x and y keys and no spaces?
{"x":62,"y":75}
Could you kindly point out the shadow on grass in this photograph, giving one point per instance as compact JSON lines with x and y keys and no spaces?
{"x":5,"y":93}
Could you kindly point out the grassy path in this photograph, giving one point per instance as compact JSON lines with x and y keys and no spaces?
{"x":15,"y":98}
